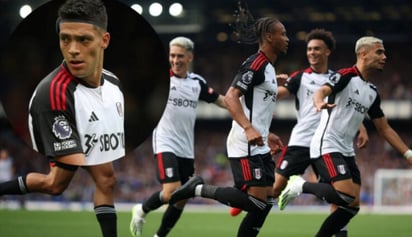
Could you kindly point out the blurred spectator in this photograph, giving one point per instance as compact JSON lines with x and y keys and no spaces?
{"x":6,"y":171}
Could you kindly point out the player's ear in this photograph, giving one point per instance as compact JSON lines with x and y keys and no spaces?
{"x":190,"y":57}
{"x":328,"y":52}
{"x":106,"y":40}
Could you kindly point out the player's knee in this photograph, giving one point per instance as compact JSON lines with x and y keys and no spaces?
{"x":55,"y":188}
{"x":255,"y":204}
{"x":277,"y":190}
{"x":344,"y":199}
{"x":166,"y":196}
{"x":352,"y":210}
{"x":108,"y":184}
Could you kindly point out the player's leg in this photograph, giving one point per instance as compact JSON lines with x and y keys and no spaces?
{"x":53,"y":183}
{"x":103,"y":199}
{"x":253,"y":221}
{"x":293,"y":161}
{"x":343,"y":232}
{"x":234,"y":211}
{"x":254,"y":200}
{"x":167,"y":173}
{"x":174,"y":211}
{"x":344,"y":192}
{"x":279,"y":185}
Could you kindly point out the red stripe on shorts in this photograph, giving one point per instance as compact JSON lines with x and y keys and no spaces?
{"x":160,"y":166}
{"x":247,"y":175}
{"x":329,"y":165}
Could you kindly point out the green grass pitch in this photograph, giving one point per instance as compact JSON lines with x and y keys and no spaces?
{"x":21,"y":223}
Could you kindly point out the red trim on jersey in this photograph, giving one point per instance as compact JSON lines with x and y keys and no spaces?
{"x":52,"y":96}
{"x":160,"y":166}
{"x":308,"y":70}
{"x":258,"y":62}
{"x":247,"y":175}
{"x":294,"y":73}
{"x":58,"y":88}
{"x":329,"y":165}
{"x":349,"y":70}
{"x":64,"y":89}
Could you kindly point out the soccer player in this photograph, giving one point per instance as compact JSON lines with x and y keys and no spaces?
{"x":74,"y":109}
{"x":302,"y":84}
{"x":251,"y":101}
{"x":351,"y":96}
{"x":173,"y":138}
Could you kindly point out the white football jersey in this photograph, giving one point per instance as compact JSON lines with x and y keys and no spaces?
{"x":175,"y":130}
{"x":67,"y":116}
{"x":303,"y":84}
{"x":257,"y":80}
{"x":354,"y":98}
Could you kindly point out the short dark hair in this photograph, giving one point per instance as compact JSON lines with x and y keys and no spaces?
{"x":87,"y":11}
{"x":324,"y":35}
{"x":263,"y":26}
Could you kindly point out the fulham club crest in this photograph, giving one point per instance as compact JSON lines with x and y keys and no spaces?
{"x":258,"y":173}
{"x":341,"y":169}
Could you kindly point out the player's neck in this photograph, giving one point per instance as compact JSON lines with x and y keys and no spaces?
{"x":320,"y":69}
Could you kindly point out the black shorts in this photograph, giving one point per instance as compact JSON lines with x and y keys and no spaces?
{"x":171,"y":168}
{"x":293,"y":161}
{"x":255,"y":171}
{"x":334,"y":167}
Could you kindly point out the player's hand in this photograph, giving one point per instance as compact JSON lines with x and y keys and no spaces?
{"x":323,"y":105}
{"x":275,"y":143}
{"x":281,"y":78}
{"x":253,"y":136}
{"x":363,"y":139}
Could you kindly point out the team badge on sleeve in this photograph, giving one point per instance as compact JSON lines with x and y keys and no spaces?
{"x":247,"y":77}
{"x":61,"y":128}
{"x":334,"y":78}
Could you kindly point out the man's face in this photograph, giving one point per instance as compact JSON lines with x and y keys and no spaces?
{"x":179,"y":59}
{"x":280,"y":40}
{"x":375,"y":57}
{"x":317,"y":52}
{"x":82,"y":46}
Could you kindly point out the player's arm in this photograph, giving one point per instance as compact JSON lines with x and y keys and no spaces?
{"x":282,"y":90}
{"x":275,"y":143}
{"x":319,"y":98}
{"x":236,"y":111}
{"x":220,"y":101}
{"x":392,"y":137}
{"x":363,"y":137}
{"x":77,"y":159}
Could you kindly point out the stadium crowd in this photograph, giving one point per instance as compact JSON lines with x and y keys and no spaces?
{"x":135,"y":180}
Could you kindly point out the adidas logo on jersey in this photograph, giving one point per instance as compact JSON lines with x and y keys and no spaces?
{"x":93,"y":117}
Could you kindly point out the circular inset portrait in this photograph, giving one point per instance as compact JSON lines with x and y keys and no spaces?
{"x":74,"y":80}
